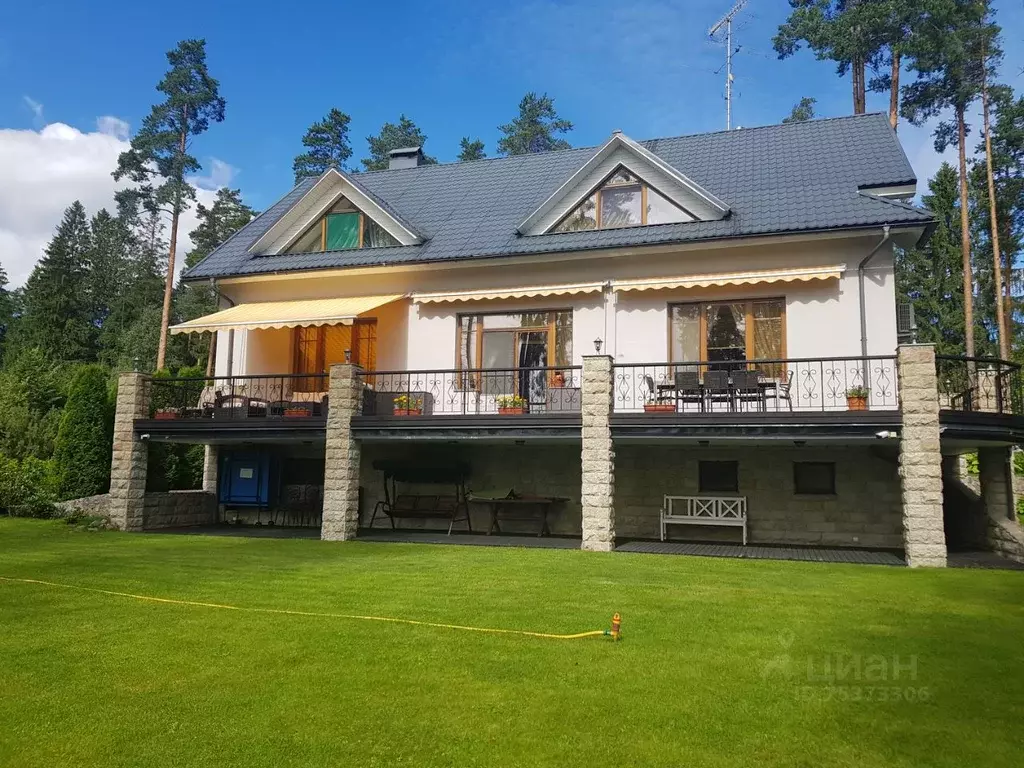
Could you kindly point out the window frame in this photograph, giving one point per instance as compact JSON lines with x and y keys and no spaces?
{"x":606,"y":183}
{"x":798,"y":491}
{"x":701,"y":463}
{"x":473,"y":382}
{"x":702,"y":317}
{"x":368,"y":336}
{"x":322,"y":224}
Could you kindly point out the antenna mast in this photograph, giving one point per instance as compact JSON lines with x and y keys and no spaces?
{"x":726,"y":22}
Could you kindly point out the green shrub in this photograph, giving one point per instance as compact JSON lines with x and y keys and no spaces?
{"x":83,"y":445}
{"x":28,"y":488}
{"x":175,"y":466}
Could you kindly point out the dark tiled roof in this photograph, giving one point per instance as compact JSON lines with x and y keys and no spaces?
{"x":781,"y":178}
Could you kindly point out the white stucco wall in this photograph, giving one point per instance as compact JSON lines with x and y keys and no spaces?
{"x":822,"y":316}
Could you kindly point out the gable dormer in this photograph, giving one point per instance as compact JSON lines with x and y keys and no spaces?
{"x":623,"y":185}
{"x":335,"y":214}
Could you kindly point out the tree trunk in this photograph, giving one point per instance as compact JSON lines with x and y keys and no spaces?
{"x":165,"y":317}
{"x":859,"y":96}
{"x":894,"y":90}
{"x":211,"y":357}
{"x":965,"y":240}
{"x":997,"y":261}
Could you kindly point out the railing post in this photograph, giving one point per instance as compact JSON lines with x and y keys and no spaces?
{"x":924,"y":537}
{"x":597,"y":493}
{"x":341,"y":460}
{"x":128,"y":463}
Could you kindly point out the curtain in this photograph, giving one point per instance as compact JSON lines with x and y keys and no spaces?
{"x":342,"y":231}
{"x":768,"y":335}
{"x":375,"y":236}
{"x":685,"y":331}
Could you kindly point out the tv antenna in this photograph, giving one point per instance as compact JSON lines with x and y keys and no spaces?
{"x":726,"y":23}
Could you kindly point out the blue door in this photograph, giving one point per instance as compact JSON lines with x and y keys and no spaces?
{"x":245,"y":478}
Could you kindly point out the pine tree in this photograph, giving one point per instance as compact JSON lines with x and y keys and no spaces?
{"x":804,"y":110}
{"x":6,"y":309}
{"x":535,"y":128}
{"x":931,"y":276}
{"x":158,"y":160}
{"x":471,"y":149}
{"x":326,"y":144}
{"x":394,"y":136}
{"x":108,"y":276}
{"x":82,"y":447}
{"x":57,"y":307}
{"x":946,"y":55}
{"x":217,"y":223}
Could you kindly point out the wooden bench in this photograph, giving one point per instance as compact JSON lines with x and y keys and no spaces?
{"x":728,"y":511}
{"x":412,"y":503}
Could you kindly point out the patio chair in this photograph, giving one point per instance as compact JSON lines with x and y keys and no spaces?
{"x":688,"y":388}
{"x":747,"y":388}
{"x":781,"y":391}
{"x":658,"y":394}
{"x":717,"y":389}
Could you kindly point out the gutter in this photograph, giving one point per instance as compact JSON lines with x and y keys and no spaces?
{"x":860,"y":284}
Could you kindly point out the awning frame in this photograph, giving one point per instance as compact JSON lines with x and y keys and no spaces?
{"x":751,"y":277}
{"x":497,"y":294}
{"x":286,"y":314}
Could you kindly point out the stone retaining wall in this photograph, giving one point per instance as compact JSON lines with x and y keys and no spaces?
{"x":173,"y":509}
{"x":95,"y":506}
{"x":864,"y":512}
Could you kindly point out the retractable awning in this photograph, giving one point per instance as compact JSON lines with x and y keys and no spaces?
{"x":732,"y":278}
{"x":507,"y":293}
{"x":286,"y":314}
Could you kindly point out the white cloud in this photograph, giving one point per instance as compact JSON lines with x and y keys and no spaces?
{"x":220,"y":175}
{"x":44,"y":171}
{"x":36,"y":107}
{"x":113,"y":126}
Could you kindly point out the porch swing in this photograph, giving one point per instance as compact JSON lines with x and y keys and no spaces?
{"x":408,"y":505}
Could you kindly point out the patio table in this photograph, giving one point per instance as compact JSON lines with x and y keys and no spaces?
{"x":765,"y":387}
{"x":520,"y":508}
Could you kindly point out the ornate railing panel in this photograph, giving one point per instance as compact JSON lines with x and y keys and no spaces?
{"x":979,"y":385}
{"x":805,"y":384}
{"x":476,"y":392}
{"x":280,"y":396}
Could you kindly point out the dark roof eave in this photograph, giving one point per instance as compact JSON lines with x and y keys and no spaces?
{"x":928,"y":224}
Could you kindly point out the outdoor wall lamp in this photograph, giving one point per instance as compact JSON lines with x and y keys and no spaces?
{"x":597,"y":344}
{"x":348,"y":355}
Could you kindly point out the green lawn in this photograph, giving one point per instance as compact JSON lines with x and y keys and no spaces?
{"x":713,"y":670}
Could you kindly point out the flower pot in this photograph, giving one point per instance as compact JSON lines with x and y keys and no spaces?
{"x":558,"y":380}
{"x":407,"y":411}
{"x":856,"y":403}
{"x":511,"y":411}
{"x":297,"y":413}
{"x":659,"y":407}
{"x":166,"y":415}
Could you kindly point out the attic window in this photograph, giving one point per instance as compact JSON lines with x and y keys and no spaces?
{"x":622,"y":200}
{"x":342,"y":228}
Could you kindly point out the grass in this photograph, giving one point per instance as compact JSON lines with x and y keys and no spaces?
{"x":713,"y":670}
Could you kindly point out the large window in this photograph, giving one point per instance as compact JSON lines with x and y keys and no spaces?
{"x":718,"y":477}
{"x":512,"y":342}
{"x":342,"y":228}
{"x":622,"y":200}
{"x":728,"y":332}
{"x":318,"y":347}
{"x":817,"y":478}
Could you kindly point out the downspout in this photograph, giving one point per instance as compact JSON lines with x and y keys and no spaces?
{"x":231,"y":331}
{"x":860,"y":283}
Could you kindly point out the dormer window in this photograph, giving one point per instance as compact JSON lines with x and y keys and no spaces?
{"x":342,"y":228}
{"x":622,"y":200}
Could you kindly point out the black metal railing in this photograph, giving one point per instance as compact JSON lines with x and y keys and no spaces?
{"x":979,"y":384}
{"x":473,"y":392}
{"x":284,"y":396}
{"x":805,"y":384}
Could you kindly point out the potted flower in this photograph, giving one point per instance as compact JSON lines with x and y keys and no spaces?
{"x":511,"y":405}
{"x":661,"y":407}
{"x":408,"y":405}
{"x":558,"y":379}
{"x":857,"y":398}
{"x":164,"y":414}
{"x":294,"y":411}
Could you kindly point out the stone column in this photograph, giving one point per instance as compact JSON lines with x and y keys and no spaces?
{"x":924,"y":537}
{"x":996,"y":478}
{"x":128,"y":462}
{"x":210,"y":466}
{"x":341,"y":467}
{"x":598,"y":455}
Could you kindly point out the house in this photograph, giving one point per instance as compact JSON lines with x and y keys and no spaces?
{"x":710,"y":317}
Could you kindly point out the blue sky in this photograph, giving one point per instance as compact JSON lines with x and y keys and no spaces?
{"x":457,"y":68}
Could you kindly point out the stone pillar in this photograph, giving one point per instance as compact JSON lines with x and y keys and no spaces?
{"x":924,"y":537}
{"x":996,"y":476}
{"x":128,"y":462}
{"x":211,"y":456}
{"x":598,"y":455}
{"x":341,"y":467}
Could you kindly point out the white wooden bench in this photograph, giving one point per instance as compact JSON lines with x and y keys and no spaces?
{"x":705,"y":510}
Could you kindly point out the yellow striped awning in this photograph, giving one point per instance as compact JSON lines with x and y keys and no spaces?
{"x":732,"y":278}
{"x":286,"y":314}
{"x":507,"y":293}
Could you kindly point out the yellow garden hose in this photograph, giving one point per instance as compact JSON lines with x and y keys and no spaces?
{"x":389,"y":619}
